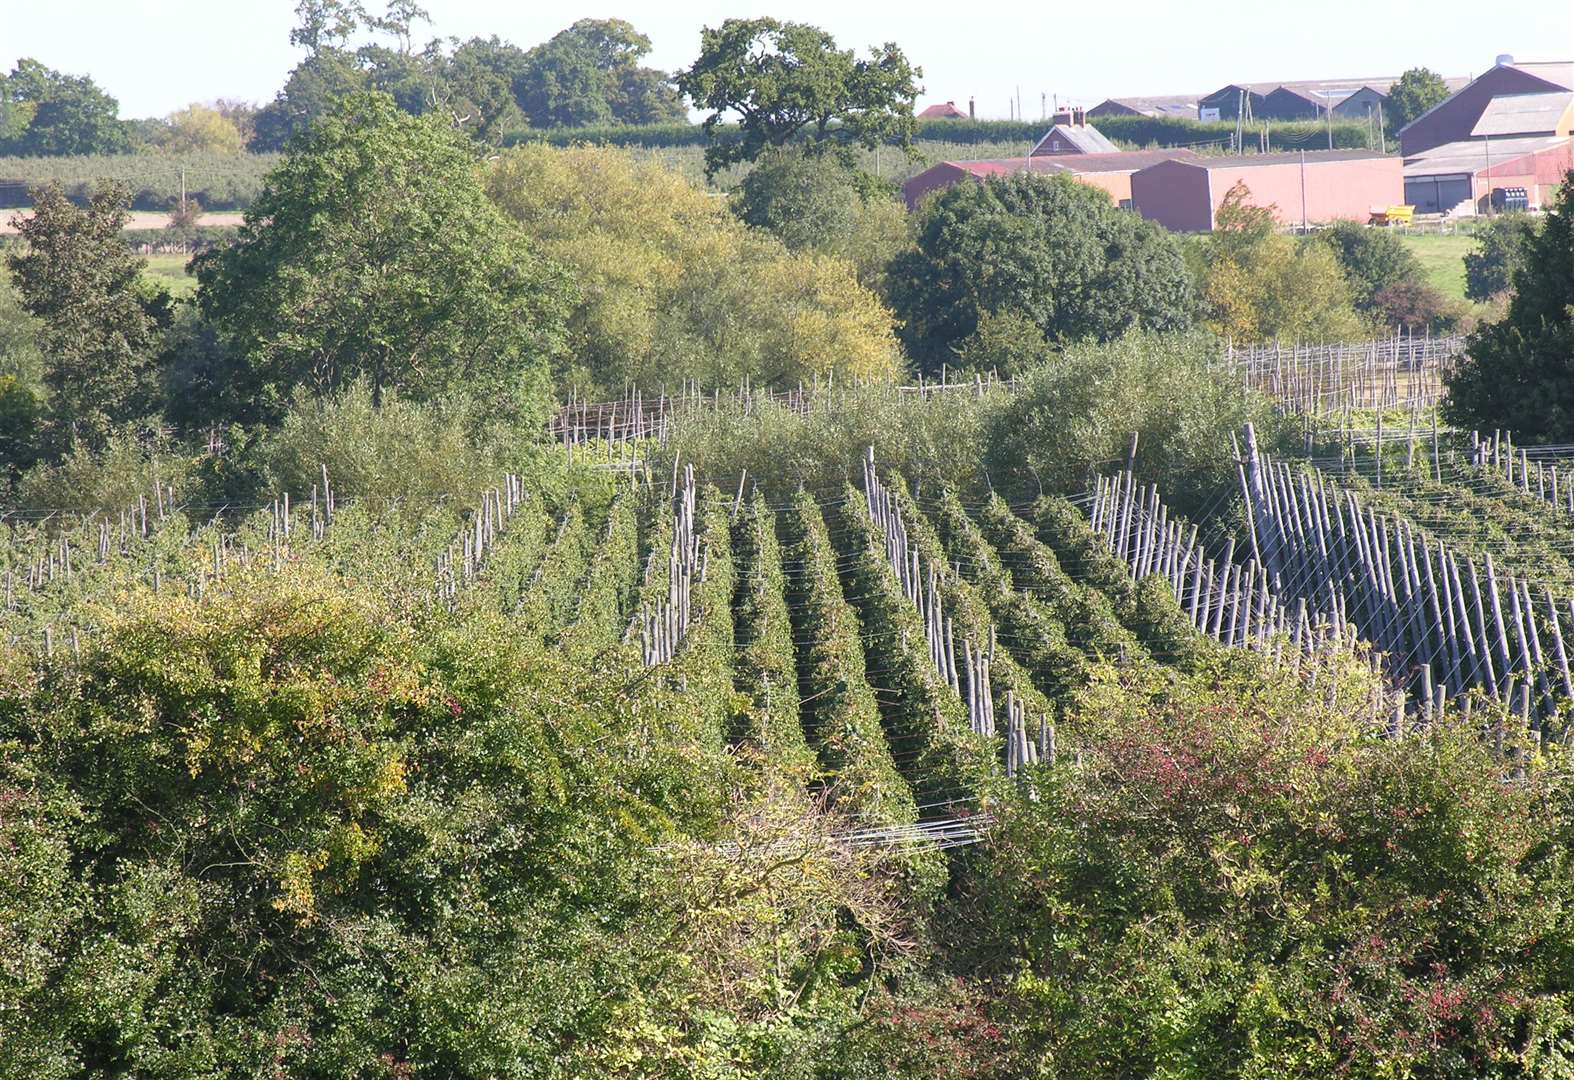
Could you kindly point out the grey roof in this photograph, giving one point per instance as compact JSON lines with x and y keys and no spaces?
{"x":1524,"y":114}
{"x":1557,"y":73}
{"x":1335,"y":90}
{"x":1163,"y":105}
{"x":1473,"y":155}
{"x":1285,"y":157}
{"x":1086,"y":139}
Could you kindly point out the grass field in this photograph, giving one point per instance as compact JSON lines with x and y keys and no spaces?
{"x":170,"y":272}
{"x":1443,"y":259}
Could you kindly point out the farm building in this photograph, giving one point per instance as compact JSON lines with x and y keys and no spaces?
{"x":1307,"y":99}
{"x":1455,"y":118}
{"x":1072,"y":134}
{"x":1312,"y":186}
{"x":1109,"y":172}
{"x":1183,"y":105}
{"x":1519,"y":115}
{"x":1460,"y":177}
{"x":943,"y":111}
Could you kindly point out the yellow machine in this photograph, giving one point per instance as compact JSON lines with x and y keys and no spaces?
{"x":1393,"y":215}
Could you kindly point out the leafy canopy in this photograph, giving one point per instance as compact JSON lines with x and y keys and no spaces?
{"x":1519,"y":373}
{"x":1502,"y":245}
{"x":1049,"y":248}
{"x":1258,"y":284}
{"x":1416,"y":91}
{"x":675,"y":288}
{"x":98,"y":331}
{"x":45,"y":113}
{"x":374,"y":253}
{"x":784,"y":78}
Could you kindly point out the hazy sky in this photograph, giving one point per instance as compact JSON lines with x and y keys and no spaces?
{"x":157,"y":55}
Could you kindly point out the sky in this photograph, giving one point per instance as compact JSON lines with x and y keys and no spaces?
{"x":156,"y":56}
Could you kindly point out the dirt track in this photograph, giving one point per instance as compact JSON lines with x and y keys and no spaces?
{"x":141,"y":219}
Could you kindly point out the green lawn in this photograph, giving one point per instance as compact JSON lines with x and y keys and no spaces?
{"x":1443,"y":259}
{"x":170,"y":272}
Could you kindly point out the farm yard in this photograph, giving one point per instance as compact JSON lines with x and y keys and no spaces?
{"x":510,"y":581}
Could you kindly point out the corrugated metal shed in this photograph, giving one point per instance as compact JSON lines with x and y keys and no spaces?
{"x":1284,"y":157}
{"x":1525,"y":114}
{"x":1473,"y":155}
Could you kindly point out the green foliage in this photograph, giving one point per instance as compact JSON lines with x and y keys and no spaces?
{"x":925,"y":721}
{"x":590,"y":74}
{"x":783,"y":78}
{"x":1279,"y":897}
{"x":933,"y":441}
{"x":841,"y":714}
{"x":1257,"y":284}
{"x":606,"y":599}
{"x":401,"y":455}
{"x":21,"y":417}
{"x":65,"y":114}
{"x":1049,"y":248}
{"x":21,"y":355}
{"x":1417,"y":90}
{"x":1372,"y":260}
{"x":199,"y":129}
{"x":373,"y":253}
{"x":819,"y":204}
{"x":217,"y":181}
{"x":97,"y":328}
{"x":1076,"y":415}
{"x":106,"y":479}
{"x":1502,"y":245}
{"x":313,"y":90}
{"x":1517,"y":372}
{"x":765,"y":672}
{"x":674,"y":288}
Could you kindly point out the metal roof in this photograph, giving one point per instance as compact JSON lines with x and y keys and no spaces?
{"x":1524,"y":114}
{"x":1120,"y":161}
{"x":1163,"y":105}
{"x":1555,"y":73}
{"x":1285,"y":157}
{"x":1086,"y":139}
{"x":1474,"y":155}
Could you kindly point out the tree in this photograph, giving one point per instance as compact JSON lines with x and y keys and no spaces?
{"x":589,"y":74}
{"x":1416,"y":91}
{"x":676,"y":288}
{"x":1257,"y":284}
{"x":69,"y":114}
{"x":1373,"y":260}
{"x":326,"y":24}
{"x":1519,"y":373}
{"x":783,"y":79}
{"x":373,"y":253}
{"x":200,"y":129}
{"x":316,"y":85}
{"x":820,"y":204}
{"x":98,"y":330}
{"x":1049,"y":248}
{"x":478,"y":87}
{"x":1502,"y":244}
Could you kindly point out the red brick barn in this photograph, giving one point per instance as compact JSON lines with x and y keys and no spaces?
{"x":1315,"y":186}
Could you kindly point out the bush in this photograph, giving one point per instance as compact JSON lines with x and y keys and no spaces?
{"x":1373,"y":260}
{"x":1281,"y":894}
{"x":1077,"y":413}
{"x":109,"y":480}
{"x":1502,"y":245}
